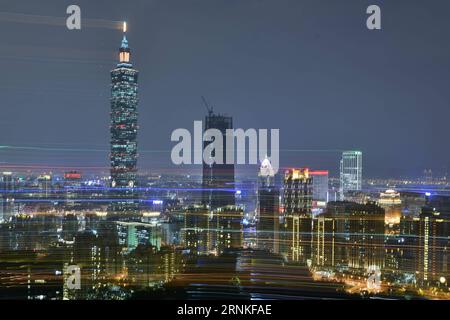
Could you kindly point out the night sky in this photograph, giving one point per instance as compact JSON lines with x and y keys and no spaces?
{"x":310,"y":68}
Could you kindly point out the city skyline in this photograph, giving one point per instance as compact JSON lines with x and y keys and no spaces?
{"x":326,"y":214}
{"x":164,"y":58}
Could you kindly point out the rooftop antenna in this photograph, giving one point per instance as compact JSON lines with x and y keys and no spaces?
{"x":208,"y":106}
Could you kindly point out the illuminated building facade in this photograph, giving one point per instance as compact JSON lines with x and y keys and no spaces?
{"x":268,"y":226}
{"x":433,"y":257}
{"x":229,"y":228}
{"x":124,"y":128}
{"x":391,"y":202}
{"x":197,"y":236}
{"x":212,"y":232}
{"x":134,"y":234}
{"x":325,"y":242}
{"x":366,"y":236}
{"x":297,"y":202}
{"x":218,"y":179}
{"x":350,"y":172}
{"x":349,"y":237}
{"x":408,"y":237}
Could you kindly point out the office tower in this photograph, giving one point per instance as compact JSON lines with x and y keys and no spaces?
{"x":218,"y":179}
{"x":297,"y":201}
{"x":350,"y":172}
{"x":6,"y":196}
{"x":320,"y":185}
{"x":325,"y":255}
{"x":124,"y":130}
{"x":330,"y":237}
{"x":366,"y":236}
{"x":409,"y":240}
{"x":88,"y":255}
{"x":197,"y":236}
{"x":228,"y":228}
{"x":391,"y":202}
{"x":268,"y":226}
{"x":433,"y":255}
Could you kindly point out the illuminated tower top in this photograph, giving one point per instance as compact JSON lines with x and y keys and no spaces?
{"x":124,"y":51}
{"x":124,"y":130}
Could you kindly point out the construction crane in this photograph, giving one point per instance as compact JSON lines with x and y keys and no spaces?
{"x":208,"y":106}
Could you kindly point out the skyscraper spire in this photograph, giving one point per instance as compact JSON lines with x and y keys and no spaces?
{"x":124,"y":52}
{"x":124,"y":128}
{"x":124,"y":40}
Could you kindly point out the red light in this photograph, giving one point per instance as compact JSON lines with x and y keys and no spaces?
{"x":72,"y":176}
{"x":319,"y":173}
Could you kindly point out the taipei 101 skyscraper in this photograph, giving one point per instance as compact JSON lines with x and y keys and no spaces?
{"x":124,"y":128}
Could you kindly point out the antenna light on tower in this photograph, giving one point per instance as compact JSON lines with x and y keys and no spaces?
{"x":124,"y":49}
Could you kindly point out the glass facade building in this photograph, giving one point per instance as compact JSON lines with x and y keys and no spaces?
{"x":350,"y":172}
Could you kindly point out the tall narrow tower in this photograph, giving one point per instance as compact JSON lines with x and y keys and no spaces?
{"x":124,"y":128}
{"x":297,"y":203}
{"x":350,"y":172}
{"x":268,"y":209}
{"x":218,"y":179}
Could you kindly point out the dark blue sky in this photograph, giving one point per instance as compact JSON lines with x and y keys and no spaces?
{"x":310,"y":68}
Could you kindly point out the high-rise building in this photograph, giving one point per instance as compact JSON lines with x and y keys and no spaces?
{"x":218,"y":179}
{"x":350,"y":172}
{"x":409,"y":231}
{"x":391,"y":202}
{"x":212,"y":231}
{"x":197,"y":231}
{"x":228,"y":228}
{"x":350,"y":236}
{"x":124,"y":128}
{"x":330,"y":238}
{"x":434,"y":257}
{"x":320,"y":185}
{"x":325,"y":241}
{"x":268,"y":227}
{"x":6,"y":195}
{"x":297,"y":202}
{"x":366,"y":236}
